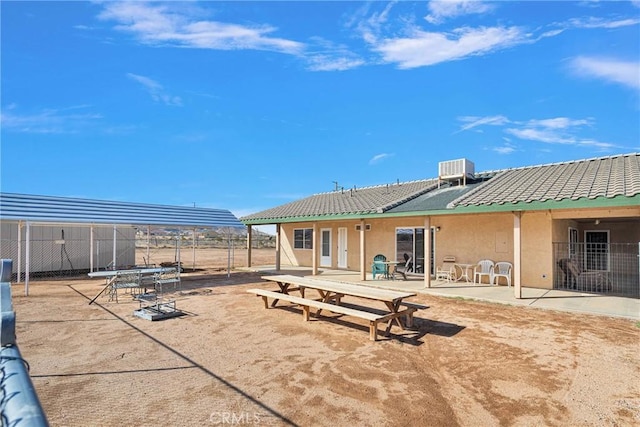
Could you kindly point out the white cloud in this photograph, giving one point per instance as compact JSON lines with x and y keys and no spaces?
{"x":543,"y":135}
{"x":442,"y":10}
{"x":626,"y":73}
{"x":331,"y":63}
{"x":593,"y":22}
{"x":181,"y":25}
{"x":328,"y":56}
{"x":428,"y":48}
{"x":49,"y":121}
{"x":379,"y":158}
{"x":559,"y":123}
{"x":156,"y":90}
{"x":560,"y":130}
{"x":557,"y":130}
{"x":473,"y":121}
{"x":505,"y":149}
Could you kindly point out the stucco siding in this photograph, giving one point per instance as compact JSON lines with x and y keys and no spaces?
{"x":537,"y":250}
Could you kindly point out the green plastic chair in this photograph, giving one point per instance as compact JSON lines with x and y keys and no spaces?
{"x":379,"y":266}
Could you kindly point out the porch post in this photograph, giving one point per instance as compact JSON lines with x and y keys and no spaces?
{"x":427,"y":252}
{"x":517,"y":254}
{"x":314,"y":253}
{"x":249,"y":245}
{"x":363,"y":252}
{"x":278,"y":231}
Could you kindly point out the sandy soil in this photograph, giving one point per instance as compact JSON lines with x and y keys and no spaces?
{"x":229,"y":361}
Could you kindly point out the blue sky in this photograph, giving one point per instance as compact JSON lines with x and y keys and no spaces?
{"x":249,"y":105}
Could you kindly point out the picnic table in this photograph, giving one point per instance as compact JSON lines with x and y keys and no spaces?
{"x":331,"y":294}
{"x":134,"y":278}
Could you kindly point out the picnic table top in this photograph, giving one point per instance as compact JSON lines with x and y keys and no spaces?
{"x":342,"y":288}
{"x":110,"y":273}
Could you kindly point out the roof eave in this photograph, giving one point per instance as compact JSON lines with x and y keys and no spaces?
{"x":582,"y":203}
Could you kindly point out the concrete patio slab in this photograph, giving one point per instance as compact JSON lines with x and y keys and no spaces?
{"x":570,"y":301}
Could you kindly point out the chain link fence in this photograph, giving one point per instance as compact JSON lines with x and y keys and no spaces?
{"x":64,"y":251}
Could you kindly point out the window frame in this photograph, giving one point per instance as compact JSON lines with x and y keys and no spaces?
{"x":305,"y":242}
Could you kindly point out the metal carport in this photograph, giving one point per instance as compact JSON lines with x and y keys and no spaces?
{"x":26,"y":210}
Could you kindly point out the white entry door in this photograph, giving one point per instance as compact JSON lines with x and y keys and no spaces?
{"x":342,"y":247}
{"x":325,"y":247}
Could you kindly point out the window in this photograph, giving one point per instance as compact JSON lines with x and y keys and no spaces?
{"x":303,"y":238}
{"x":573,"y":240}
{"x":596,"y":250}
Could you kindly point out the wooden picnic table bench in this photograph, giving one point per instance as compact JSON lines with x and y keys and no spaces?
{"x":331,"y":294}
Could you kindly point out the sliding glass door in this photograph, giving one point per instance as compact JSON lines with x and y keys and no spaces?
{"x":410,"y":241}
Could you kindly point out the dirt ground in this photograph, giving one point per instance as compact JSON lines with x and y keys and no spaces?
{"x":230,"y":361}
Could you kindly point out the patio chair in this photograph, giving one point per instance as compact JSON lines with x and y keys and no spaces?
{"x":408,"y":262}
{"x":483,"y":268}
{"x":444,"y":273}
{"x":588,"y":281}
{"x":405,"y":268}
{"x":502,"y":269}
{"x":379,"y":266}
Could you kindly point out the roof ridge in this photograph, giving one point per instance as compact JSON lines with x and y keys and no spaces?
{"x":485,"y":172}
{"x":407,"y":198}
{"x":566,"y":162}
{"x":369,"y":187}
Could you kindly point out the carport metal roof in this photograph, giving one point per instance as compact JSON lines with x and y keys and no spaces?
{"x":43,"y":209}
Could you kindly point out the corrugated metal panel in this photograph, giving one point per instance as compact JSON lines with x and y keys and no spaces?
{"x":62,"y":209}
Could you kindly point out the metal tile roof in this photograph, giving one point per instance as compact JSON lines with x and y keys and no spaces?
{"x":604,"y":177}
{"x":70,"y":210}
{"x":364,"y":200}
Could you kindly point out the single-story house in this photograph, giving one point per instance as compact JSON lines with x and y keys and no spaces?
{"x":557,"y":224}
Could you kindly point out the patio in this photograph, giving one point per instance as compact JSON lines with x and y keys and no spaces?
{"x":548,"y":299}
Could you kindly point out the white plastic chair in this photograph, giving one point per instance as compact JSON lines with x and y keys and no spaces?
{"x":443,"y":273}
{"x":483,"y":268}
{"x":502,"y":269}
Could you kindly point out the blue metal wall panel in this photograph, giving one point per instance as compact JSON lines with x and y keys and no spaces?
{"x":62,"y":209}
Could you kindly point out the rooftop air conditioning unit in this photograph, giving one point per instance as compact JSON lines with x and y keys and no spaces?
{"x":456,"y":170}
